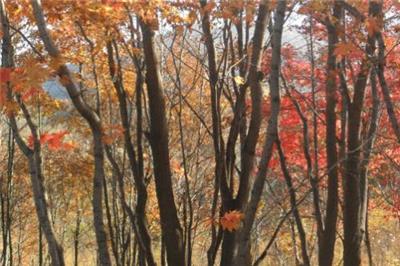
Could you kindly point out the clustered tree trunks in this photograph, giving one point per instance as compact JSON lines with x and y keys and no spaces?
{"x":222,"y":161}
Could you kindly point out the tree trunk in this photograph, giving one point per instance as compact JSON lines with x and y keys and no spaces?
{"x":223,"y":168}
{"x":76,"y":237}
{"x":355,"y":185}
{"x":293,"y":204}
{"x":328,"y":238}
{"x":33,"y":156}
{"x":171,"y":228}
{"x":95,"y":125}
{"x":243,"y":255}
{"x":135,"y":168}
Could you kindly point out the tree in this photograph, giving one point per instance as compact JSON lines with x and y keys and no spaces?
{"x":171,"y":228}
{"x":33,"y":155}
{"x":95,"y":124}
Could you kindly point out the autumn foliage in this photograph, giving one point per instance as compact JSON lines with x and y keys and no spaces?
{"x":199,"y":132}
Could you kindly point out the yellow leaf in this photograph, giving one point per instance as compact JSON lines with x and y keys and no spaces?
{"x":239,"y":80}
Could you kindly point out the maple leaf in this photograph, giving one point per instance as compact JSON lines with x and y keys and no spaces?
{"x":231,"y":220}
{"x":54,"y":141}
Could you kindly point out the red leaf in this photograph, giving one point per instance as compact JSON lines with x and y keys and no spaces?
{"x":54,"y":141}
{"x":231,"y":220}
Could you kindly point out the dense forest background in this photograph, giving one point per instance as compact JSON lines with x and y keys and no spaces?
{"x":200,"y":132}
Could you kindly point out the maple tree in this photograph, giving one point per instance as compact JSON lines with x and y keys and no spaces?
{"x":191,"y":132}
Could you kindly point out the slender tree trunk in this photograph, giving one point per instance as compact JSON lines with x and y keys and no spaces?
{"x":368,"y":140}
{"x":243,"y":256}
{"x":328,"y":238}
{"x":10,"y":171}
{"x":95,"y":125}
{"x":170,"y":226}
{"x":5,"y":197}
{"x":294,"y":242}
{"x":140,"y":209}
{"x":293,"y":203}
{"x":76,"y":237}
{"x":33,"y":155}
{"x":224,"y":167}
{"x":352,"y":193}
{"x":313,"y":174}
{"x":220,"y":169}
{"x":187,"y":196}
{"x":40,"y":246}
{"x":109,"y":217}
{"x":3,"y":258}
{"x":355,"y":182}
{"x":380,"y":69}
{"x":368,"y":244}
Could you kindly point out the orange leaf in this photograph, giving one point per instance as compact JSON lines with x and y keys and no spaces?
{"x":231,"y":220}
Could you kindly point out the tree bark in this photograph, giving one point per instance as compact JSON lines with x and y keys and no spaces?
{"x":355,"y":185}
{"x":171,"y":228}
{"x":293,"y":204}
{"x":328,"y":237}
{"x":243,"y":255}
{"x":223,"y":167}
{"x":95,"y":125}
{"x":33,"y":155}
